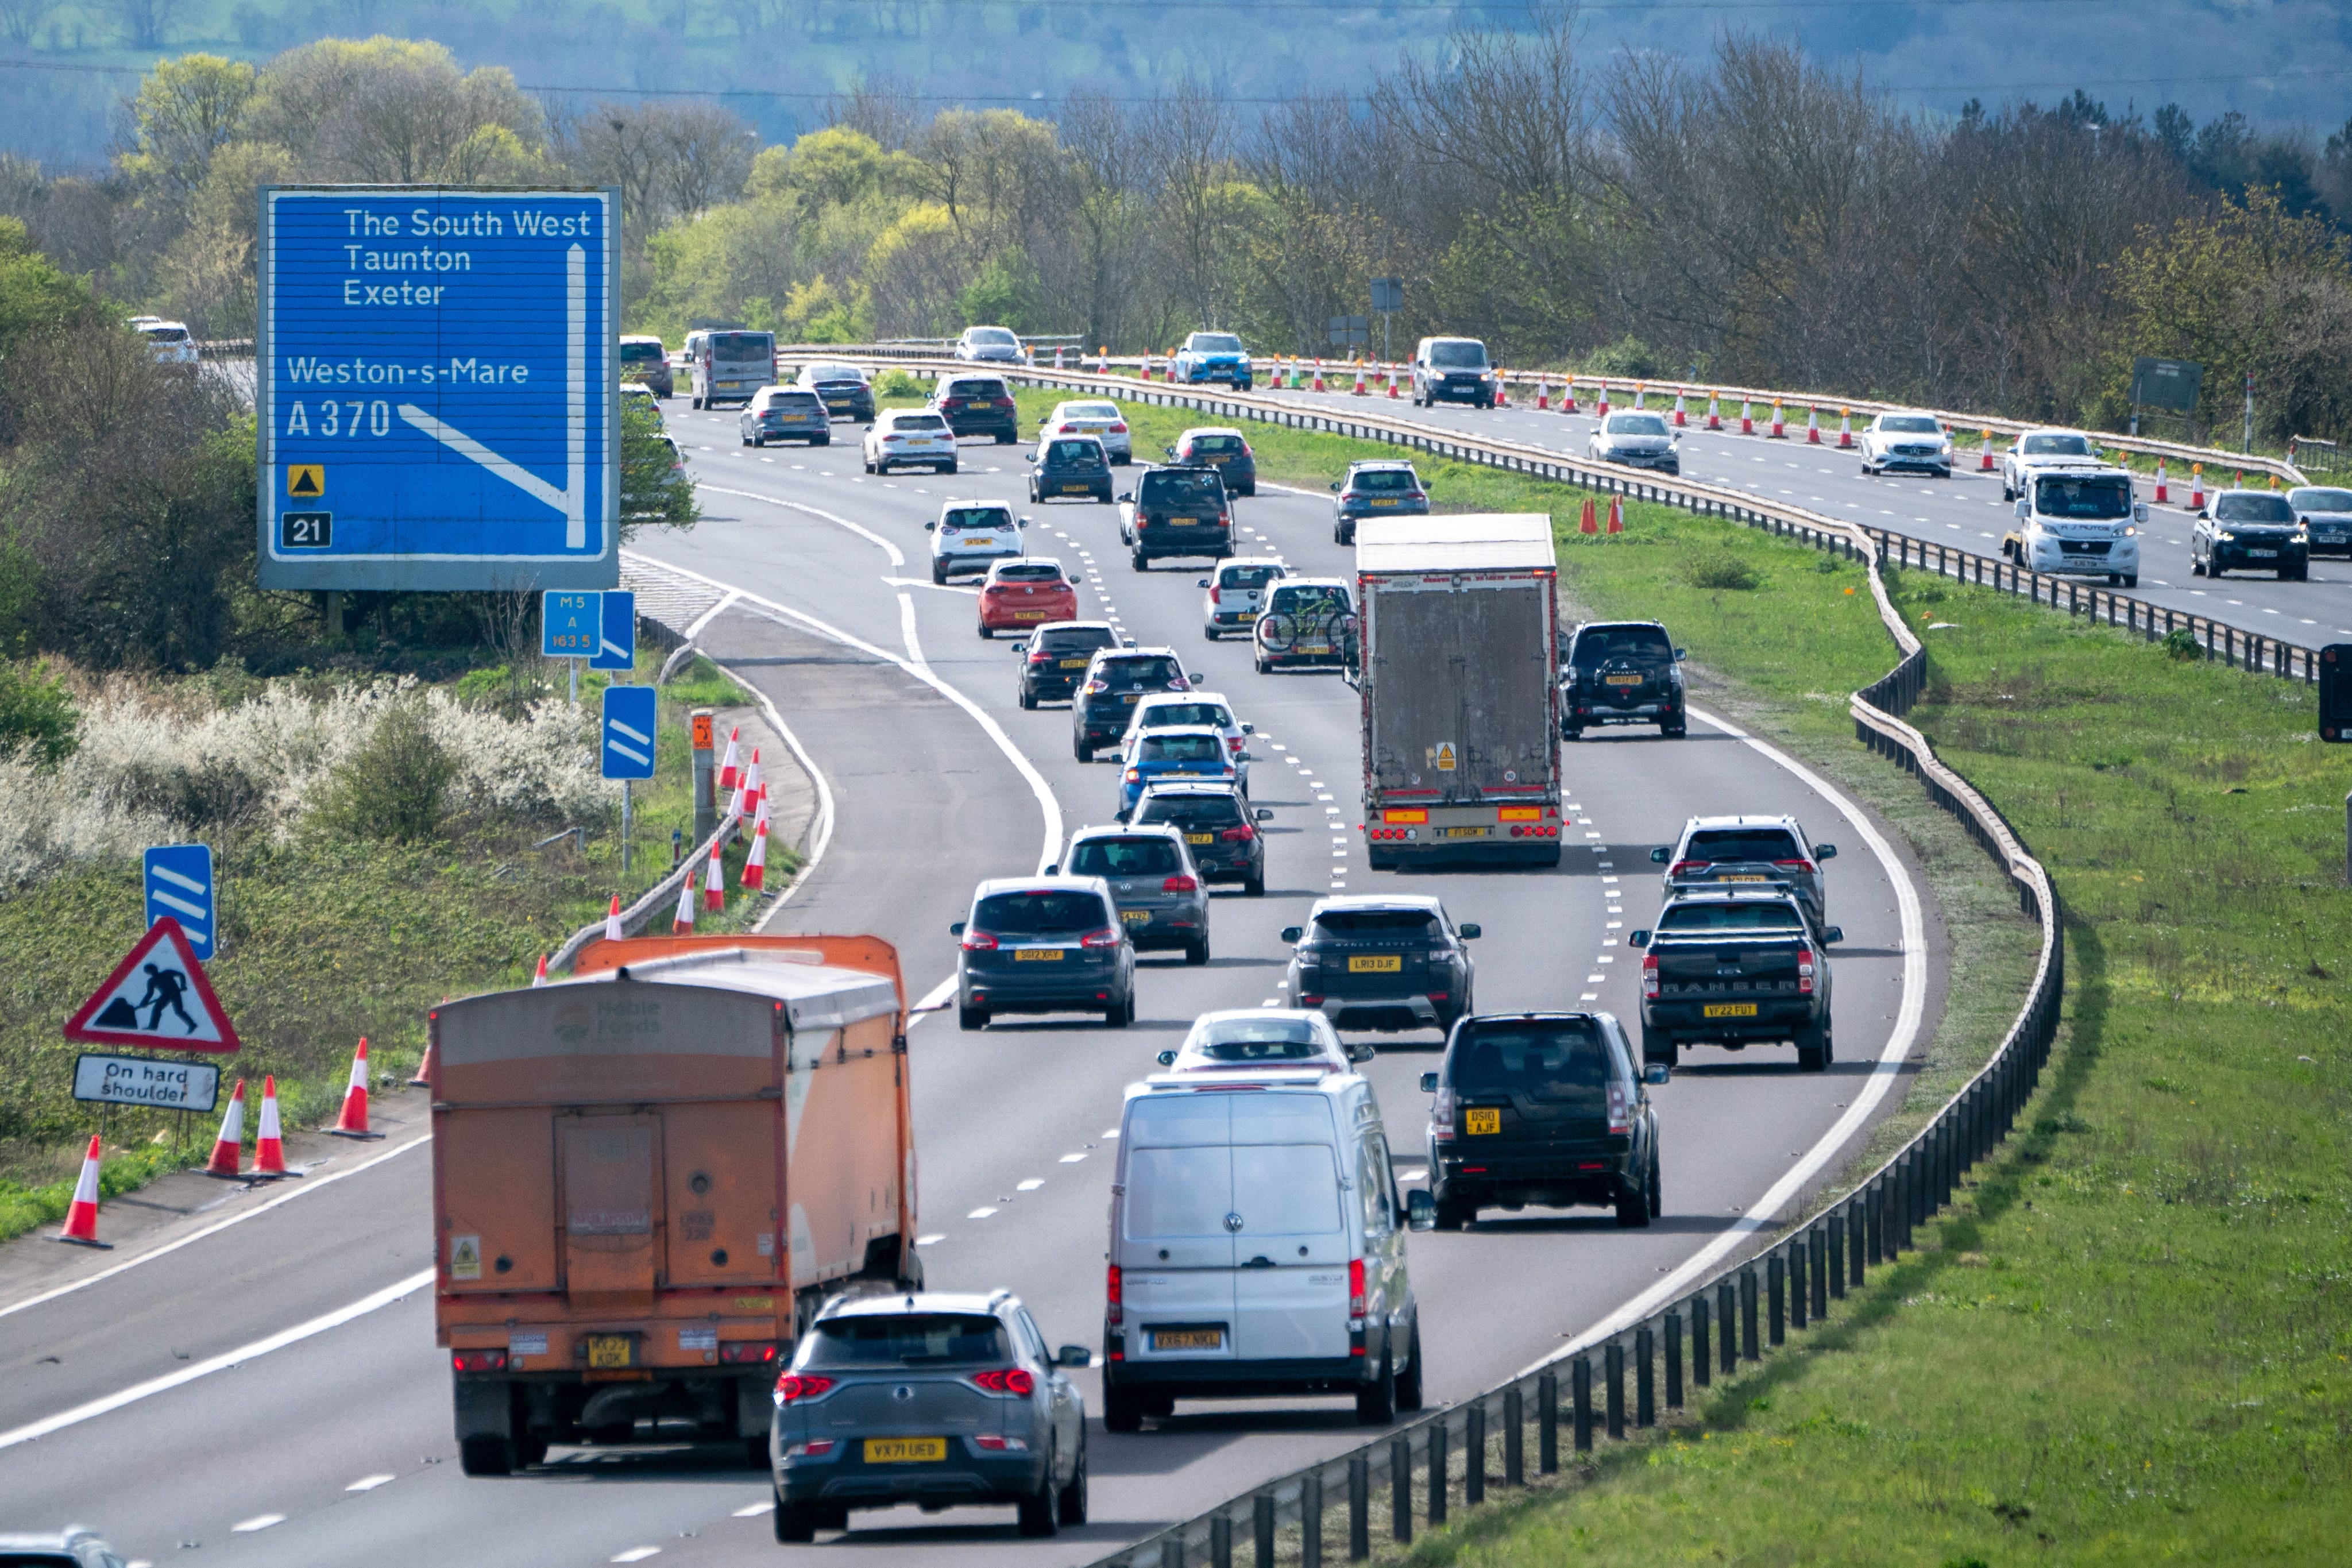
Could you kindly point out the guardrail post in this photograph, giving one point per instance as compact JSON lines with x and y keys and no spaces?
{"x":1748,"y":1348}
{"x":1221,"y":1539}
{"x":1612,"y":1363}
{"x":1438,"y":1479}
{"x":1262,"y":1528}
{"x":1727,"y":1312}
{"x":1645,"y":1393}
{"x":1818,"y":1248}
{"x":1674,"y":1360}
{"x":1837,"y":1253}
{"x":1870,"y":1227}
{"x":1515,"y":1437}
{"x":1171,"y":1551}
{"x":1580,"y":1386}
{"x":1701,"y":1353}
{"x":1798,"y":1297}
{"x":1310,"y":1521}
{"x":1359,"y":1509}
{"x":1474,"y":1453}
{"x":1547,"y":1422}
{"x":1401,"y":1486}
{"x":1776,"y":1289}
{"x":1915,"y":1186}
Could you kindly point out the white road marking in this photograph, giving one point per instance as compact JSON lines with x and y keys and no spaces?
{"x":1031,"y":1185}
{"x":258,"y":1521}
{"x":929,"y":1240}
{"x":754,"y":1509}
{"x":635,"y":1554}
{"x":368,"y":1483}
{"x":979,"y":1214}
{"x":1074,"y":1159}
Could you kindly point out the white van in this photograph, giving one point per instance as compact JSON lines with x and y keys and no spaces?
{"x":2078,"y":523}
{"x":1257,"y":1247}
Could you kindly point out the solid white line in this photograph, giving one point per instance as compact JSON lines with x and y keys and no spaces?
{"x":897,"y":556}
{"x":258,"y":1521}
{"x":369,"y":1483}
{"x":301,"y":1189}
{"x":189,"y":1374}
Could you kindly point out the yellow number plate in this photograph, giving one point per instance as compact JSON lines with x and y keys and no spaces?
{"x":1188,"y":1339}
{"x":1462,"y":832}
{"x":1730,"y":1009}
{"x":1134,"y":917}
{"x":1375,"y":964}
{"x":1198,"y":838}
{"x":1743,"y":877}
{"x":1076,"y":489}
{"x":1037,"y":955}
{"x":905,"y":1450}
{"x":1482,"y":1120}
{"x":606,"y":1352}
{"x":1183,"y":520}
{"x":1378,"y":502}
{"x":1075,"y":663}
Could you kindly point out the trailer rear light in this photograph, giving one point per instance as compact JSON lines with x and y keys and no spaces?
{"x":1005,"y":1380}
{"x":1355,"y":1287}
{"x":1114,"y":1305}
{"x":979,"y":942}
{"x":1180,"y":883}
{"x":752,"y":1353}
{"x":1621,"y":1109}
{"x":1105,"y":937}
{"x":990,"y":1443}
{"x":795,"y":1386}
{"x":1805,"y":972}
{"x":1650,"y":976}
{"x":478,"y":1360}
{"x":1241,"y":835}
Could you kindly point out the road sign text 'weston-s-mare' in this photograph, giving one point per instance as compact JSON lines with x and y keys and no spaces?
{"x":436,"y":390}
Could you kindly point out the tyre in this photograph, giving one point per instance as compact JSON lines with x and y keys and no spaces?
{"x":1122,"y":1411}
{"x":697,"y":402}
{"x":795,"y":1522}
{"x":1027,"y":698}
{"x":486,"y":1456}
{"x":1409,"y":1386}
{"x":1103,"y":498}
{"x":1571,"y":732}
{"x":1196,"y":953}
{"x":755,"y":1453}
{"x":1139,"y":561}
{"x":1119,"y":1014}
{"x":1006,"y":439}
{"x":971,"y":1017}
{"x":1210,"y":634}
{"x":2131,"y":579}
{"x":1813,"y":1050}
{"x":1254,"y":887}
{"x":2195,"y":567}
{"x":943,"y":467}
{"x":939,"y":575}
{"x":1633,"y":1204}
{"x":1081,"y":751}
{"x":1376,"y":1402}
{"x":2286,"y":574}
{"x":1657,"y":1190}
{"x":1070,"y":1502}
{"x":821,"y":441}
{"x":1259,"y":660}
{"x":2007,"y":492}
{"x":987,"y":632}
{"x":1036,"y":1516}
{"x":1453,"y":1214}
{"x":1675,"y":731}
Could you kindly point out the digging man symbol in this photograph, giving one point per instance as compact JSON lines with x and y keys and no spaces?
{"x":165,"y":989}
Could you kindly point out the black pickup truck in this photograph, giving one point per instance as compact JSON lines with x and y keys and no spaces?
{"x":1727,"y":968}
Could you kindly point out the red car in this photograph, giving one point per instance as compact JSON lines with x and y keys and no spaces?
{"x":1026,"y":592}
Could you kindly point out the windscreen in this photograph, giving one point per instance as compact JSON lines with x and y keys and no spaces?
{"x":1089,"y":411}
{"x":2253,"y":506}
{"x":1309,"y":598}
{"x":918,"y":422}
{"x":823,"y":372}
{"x":1190,"y":810}
{"x":1248,"y":576}
{"x":1757,"y":915}
{"x":1028,"y":572}
{"x":1045,"y":912}
{"x":2320,"y":500}
{"x":1151,"y":857}
{"x":994,"y":337}
{"x":1217,"y":444}
{"x":902,"y":1338}
{"x":640,"y":353}
{"x":794,"y":400}
{"x":978,"y":391}
{"x":735,"y":348}
{"x":1125,"y":674}
{"x":2056,"y":446}
{"x":1742,"y":844}
{"x":1636,"y":424}
{"x":1174,"y":487}
{"x":1074,"y":452}
{"x":1077,"y":639}
{"x":976,"y":517}
{"x":1257,"y":1040}
{"x":1359,"y":926}
{"x":1596,"y":646}
{"x":1169,"y":715}
{"x":1457,"y":354}
{"x":1910,"y":424}
{"x":1557,"y":1061}
{"x":1215,"y":343}
{"x":166,"y":334}
{"x":1157,"y":748}
{"x":1387,"y":481}
{"x":2099,"y":499}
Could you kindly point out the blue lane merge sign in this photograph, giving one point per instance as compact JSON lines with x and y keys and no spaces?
{"x":569,"y":623}
{"x":616,"y":637}
{"x":178,"y":879}
{"x":629,"y":731}
{"x":436,"y":388}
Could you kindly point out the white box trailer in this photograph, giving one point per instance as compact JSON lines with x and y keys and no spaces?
{"x":1458,"y":622}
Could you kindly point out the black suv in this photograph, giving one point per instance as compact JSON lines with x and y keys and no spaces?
{"x":1177,"y":512}
{"x":2249,"y":531}
{"x":1727,"y":968}
{"x":1069,"y":466}
{"x":1621,"y":672}
{"x":1376,"y":487}
{"x":843,"y":389}
{"x":1054,"y":657}
{"x":1540,"y":1108}
{"x":1219,"y":826}
{"x":1386,"y":963}
{"x":1113,"y":684}
{"x":977,"y":405}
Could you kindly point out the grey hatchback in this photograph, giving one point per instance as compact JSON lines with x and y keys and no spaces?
{"x":1162,"y":899}
{"x":1044,"y":944}
{"x":929,"y":1398}
{"x":73,"y":1547}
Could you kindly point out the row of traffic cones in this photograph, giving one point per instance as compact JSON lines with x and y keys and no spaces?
{"x":227,"y":1159}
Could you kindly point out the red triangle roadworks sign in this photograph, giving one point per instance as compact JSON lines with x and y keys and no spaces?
{"x":157,"y":998}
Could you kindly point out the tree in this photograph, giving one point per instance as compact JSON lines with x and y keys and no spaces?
{"x":656,"y":492}
{"x":20,"y":19}
{"x":185,"y":111}
{"x":143,"y":22}
{"x":394,"y":112}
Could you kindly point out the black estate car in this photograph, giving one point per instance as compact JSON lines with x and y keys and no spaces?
{"x":1367,"y":961}
{"x":1219,"y":826}
{"x":1069,"y":466}
{"x":1054,"y":657}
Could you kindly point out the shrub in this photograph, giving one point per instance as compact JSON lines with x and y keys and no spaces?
{"x":397,"y":784}
{"x":1628,"y":356}
{"x":899,"y":384}
{"x":38,"y":721}
{"x":1719,"y":568}
{"x":2181,"y":643}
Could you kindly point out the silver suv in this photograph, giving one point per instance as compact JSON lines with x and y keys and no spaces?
{"x":1767,"y":850}
{"x":1163,"y":898}
{"x":931,"y":1398}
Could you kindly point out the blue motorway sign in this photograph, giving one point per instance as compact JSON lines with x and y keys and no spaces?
{"x":570,"y":621}
{"x":436,"y":388}
{"x":178,"y":879}
{"x":629,"y":721}
{"x":616,"y":635}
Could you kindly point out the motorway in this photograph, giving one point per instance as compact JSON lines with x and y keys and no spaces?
{"x":336,"y":1447}
{"x":1965,"y":512}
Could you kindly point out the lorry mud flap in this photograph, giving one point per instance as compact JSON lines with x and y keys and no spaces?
{"x":485,"y":1409}
{"x":755,"y":1407}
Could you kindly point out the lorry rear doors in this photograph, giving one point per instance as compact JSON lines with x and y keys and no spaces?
{"x":610,"y":1209}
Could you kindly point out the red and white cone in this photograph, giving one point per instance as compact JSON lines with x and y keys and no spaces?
{"x":714,"y":880}
{"x":538,"y":975}
{"x":1568,"y":396}
{"x":228,"y":1149}
{"x":1601,"y":402}
{"x":81,"y":1218}
{"x":728,"y":771}
{"x":1747,"y":418}
{"x":2162,"y":494}
{"x":1543,"y":394}
{"x":755,"y":785}
{"x":682,"y":923}
{"x":1714,"y":411}
{"x":1616,"y":514}
{"x":1985,"y":465}
{"x":755,"y":866}
{"x":353,"y":1122}
{"x":1057,"y":356}
{"x":612,"y":932}
{"x":1780,"y":425}
{"x":268,"y":1143}
{"x":1318,"y":374}
{"x":1641,"y":395}
{"x":1591,"y":521}
{"x":1682,"y":418}
{"x":2197,"y":487}
{"x":1845,"y":429}
{"x":1503,"y":389}
{"x":1393,"y":386}
{"x":1812,"y":426}
{"x":424,"y":1078}
{"x":1359,"y":380}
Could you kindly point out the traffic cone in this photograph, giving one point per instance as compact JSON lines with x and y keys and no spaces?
{"x":1681,"y":418}
{"x":1568,"y":396}
{"x":1591,"y":521}
{"x":424,"y":1078}
{"x":81,"y":1218}
{"x":1714,"y":411}
{"x":1747,"y":418}
{"x":1780,"y":426}
{"x":1845,"y":429}
{"x":539,"y":977}
{"x":1318,"y":374}
{"x":1600,"y":403}
{"x":728,"y":770}
{"x":269,"y":1145}
{"x":1812,"y":426}
{"x":353,"y":1122}
{"x":1543,"y":394}
{"x":228,"y":1149}
{"x":2162,"y":494}
{"x":2238,"y":480}
{"x":2273,"y":481}
{"x":1641,"y":395}
{"x":1987,"y":465}
{"x":682,"y":923}
{"x":2197,"y":487}
{"x":755,"y":866}
{"x":1359,"y":380}
{"x":1057,"y":356}
{"x":1503,"y":389}
{"x":755,"y":788}
{"x":1393,"y":386}
{"x":1616,"y":514}
{"x":612,"y":932}
{"x":714,"y":880}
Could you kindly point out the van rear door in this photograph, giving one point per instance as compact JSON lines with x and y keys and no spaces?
{"x":1175,"y":1245}
{"x":1291,"y":1251}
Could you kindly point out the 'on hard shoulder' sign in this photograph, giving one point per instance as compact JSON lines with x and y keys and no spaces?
{"x":435,"y":387}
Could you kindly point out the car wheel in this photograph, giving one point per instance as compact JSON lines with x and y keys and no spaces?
{"x":1139,"y":561}
{"x":1262,"y":666}
{"x":2007,"y":491}
{"x":795,"y":1522}
{"x":486,"y":1456}
{"x":1072,"y":1501}
{"x":971,"y":1017}
{"x":1081,"y":751}
{"x":1037,"y":1511}
{"x":1408,"y":1385}
{"x":1813,"y":1050}
{"x":1453,"y":1216}
{"x":1674,"y":731}
{"x":697,"y":402}
{"x":1027,"y":698}
{"x":2195,"y":567}
{"x":939,"y":575}
{"x":1571,"y":732}
{"x":947,"y":468}
{"x":987,"y":632}
{"x":1104,"y":498}
{"x":2286,"y":574}
{"x":1254,"y":887}
{"x":1657,"y":1189}
{"x":1196,"y":953}
{"x":2131,"y":579}
{"x":821,"y":441}
{"x":1006,"y":440}
{"x":1376,"y":1402}
{"x":1119,"y":1013}
{"x":1633,"y":1204}
{"x":1122,"y":1411}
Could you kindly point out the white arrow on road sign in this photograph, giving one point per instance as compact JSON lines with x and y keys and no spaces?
{"x":573,"y":499}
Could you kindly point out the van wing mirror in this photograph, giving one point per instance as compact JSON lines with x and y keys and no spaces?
{"x":1166,"y":1058}
{"x":1662,"y":855}
{"x":1075,"y":1357}
{"x":1420,"y":1210}
{"x":2139,"y":512}
{"x":1429,"y":1083}
{"x":1832,"y":936}
{"x":1470,"y":930}
{"x":1639,"y":939}
{"x":1655,"y":1073}
{"x":2024,"y":507}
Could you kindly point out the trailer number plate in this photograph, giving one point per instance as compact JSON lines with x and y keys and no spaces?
{"x":608,"y":1352}
{"x":1489,"y":1120}
{"x":1730,"y":1009}
{"x":1463,"y":832}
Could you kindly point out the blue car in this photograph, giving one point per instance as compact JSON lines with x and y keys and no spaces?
{"x":1192,"y":753}
{"x":1213,"y":357}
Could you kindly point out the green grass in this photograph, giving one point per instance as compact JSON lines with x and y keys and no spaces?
{"x":324,"y":942}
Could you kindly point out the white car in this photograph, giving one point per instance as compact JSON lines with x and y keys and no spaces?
{"x":1101,"y":420}
{"x":1914,"y":441}
{"x":1168,"y":710}
{"x":2039,"y":451}
{"x":987,"y":344}
{"x":909,"y":437}
{"x":1638,"y":440}
{"x":174,"y":343}
{"x":1238,"y":1038}
{"x":1235,"y":592}
{"x":972,"y":535}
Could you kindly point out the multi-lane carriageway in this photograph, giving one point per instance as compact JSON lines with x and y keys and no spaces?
{"x":323,"y":1434}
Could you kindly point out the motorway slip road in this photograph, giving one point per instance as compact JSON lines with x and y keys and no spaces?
{"x":337,"y":1446}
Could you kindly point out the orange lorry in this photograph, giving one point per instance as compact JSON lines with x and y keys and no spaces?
{"x":648,"y":1177}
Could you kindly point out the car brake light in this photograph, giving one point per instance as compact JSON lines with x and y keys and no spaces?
{"x":1095,"y":685}
{"x":1805,"y":972}
{"x":1440,"y":1116}
{"x":478,"y":1360}
{"x":738,"y":1355}
{"x":1234,"y":743}
{"x":1355,"y":1287}
{"x":815,"y":1448}
{"x":1621,"y":1110}
{"x":1216,"y":595}
{"x":795,"y":1386}
{"x":1115,"y":1306}
{"x":979,"y":942}
{"x":1133,"y":774}
{"x":1106,"y":937}
{"x":1650,"y":975}
{"x":1241,"y":835}
{"x":1037,"y":656}
{"x":1793,"y":865}
{"x":1682,"y":865}
{"x":1118,"y":429}
{"x":1005,"y":1380}
{"x":990,"y":1443}
{"x":1179,"y":883}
